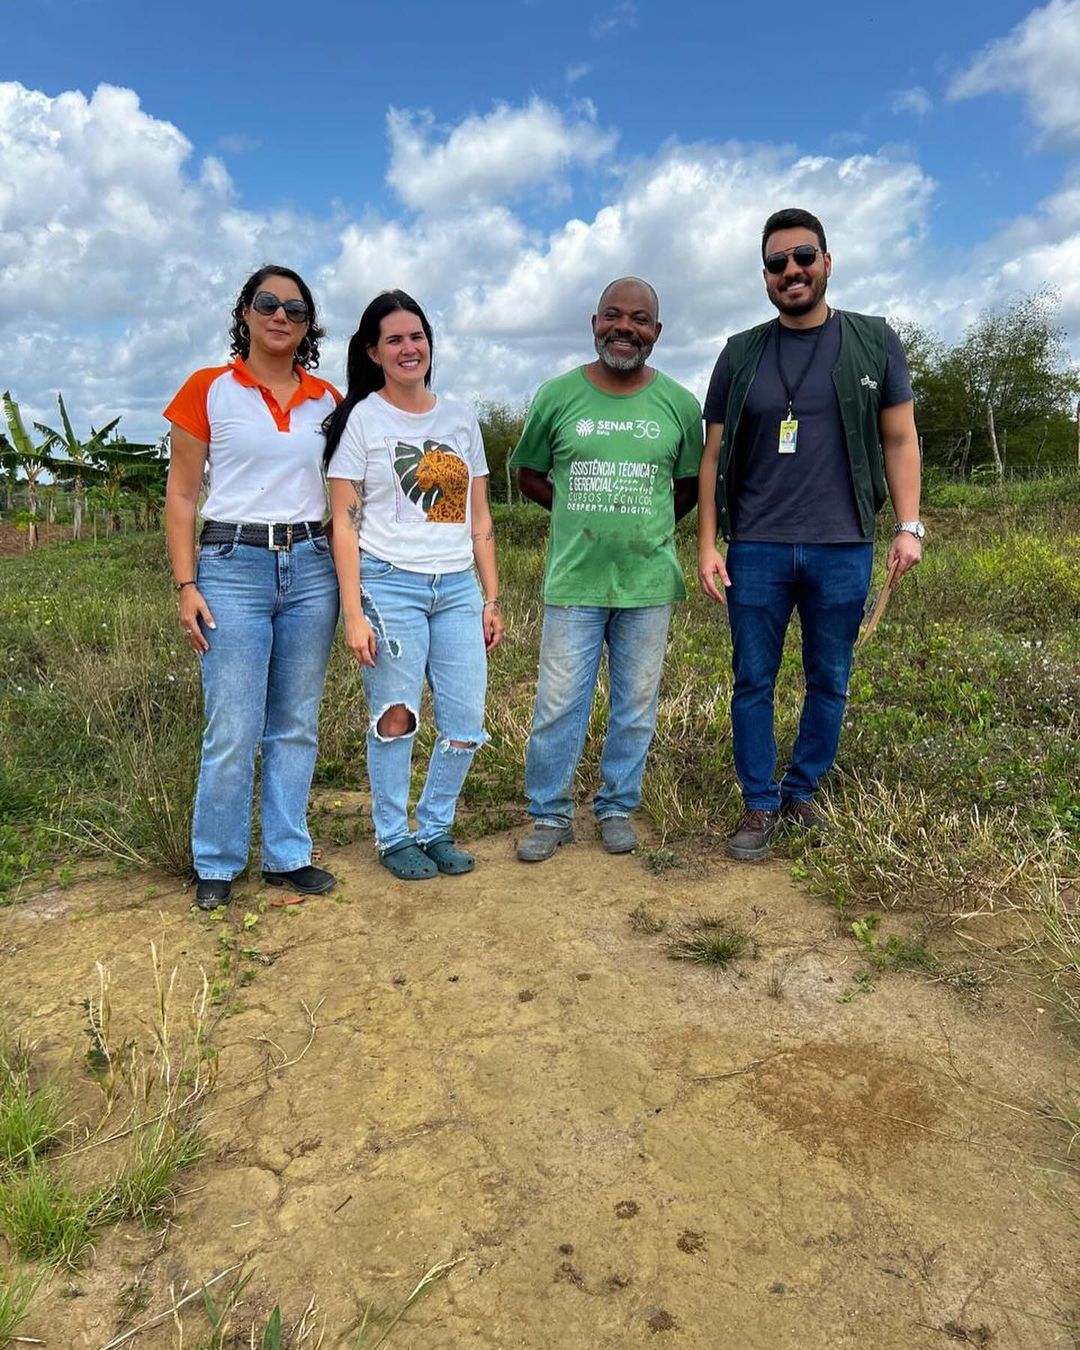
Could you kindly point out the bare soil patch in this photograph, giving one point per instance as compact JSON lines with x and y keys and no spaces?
{"x":13,"y":540}
{"x":622,"y":1150}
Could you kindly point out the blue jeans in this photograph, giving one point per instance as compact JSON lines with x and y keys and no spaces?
{"x":262,"y":682}
{"x":570,"y":649}
{"x":827,"y":584}
{"x":426,"y":623}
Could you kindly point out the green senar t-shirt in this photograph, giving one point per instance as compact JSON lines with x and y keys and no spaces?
{"x":612,"y":458}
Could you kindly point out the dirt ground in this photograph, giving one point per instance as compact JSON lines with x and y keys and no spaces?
{"x":13,"y":540}
{"x":618,"y":1150}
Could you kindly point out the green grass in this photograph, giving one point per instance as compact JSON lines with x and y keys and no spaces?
{"x":146,"y":1185}
{"x":17,"y":1290}
{"x":46,"y":1217}
{"x":29,"y":1121}
{"x":710,"y":940}
{"x":30,"y":1115}
{"x":642,"y":920}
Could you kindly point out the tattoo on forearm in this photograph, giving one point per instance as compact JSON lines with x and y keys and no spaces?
{"x":355,"y":509}
{"x":485,"y":536}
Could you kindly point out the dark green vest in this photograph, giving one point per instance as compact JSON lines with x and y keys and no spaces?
{"x":858,"y":376}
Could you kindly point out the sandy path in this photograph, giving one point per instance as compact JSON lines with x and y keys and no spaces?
{"x":625,"y":1151}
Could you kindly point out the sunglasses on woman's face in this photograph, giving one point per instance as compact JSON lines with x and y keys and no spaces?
{"x":802,"y":254}
{"x":267,"y":303}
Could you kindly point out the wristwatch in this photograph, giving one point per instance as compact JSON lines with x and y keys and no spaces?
{"x":915,"y":527}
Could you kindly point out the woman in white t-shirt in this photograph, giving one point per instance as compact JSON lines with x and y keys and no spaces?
{"x":408,"y":488}
{"x":260,"y":604}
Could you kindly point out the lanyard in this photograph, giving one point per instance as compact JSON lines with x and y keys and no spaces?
{"x":788,"y":389}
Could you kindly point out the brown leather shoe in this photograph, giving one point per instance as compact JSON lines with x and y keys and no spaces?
{"x":802,"y":815}
{"x":753,"y":834}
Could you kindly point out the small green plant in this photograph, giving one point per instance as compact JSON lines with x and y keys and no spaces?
{"x":711,"y":940}
{"x":642,"y":920}
{"x":47,"y":1218}
{"x":146,"y":1185}
{"x":111,"y":1065}
{"x":29,"y":1117}
{"x":271,"y":1337}
{"x":133,"y":1299}
{"x":896,"y":953}
{"x":220,"y":1314}
{"x":659,"y":860}
{"x":17,"y":1292}
{"x":862,"y":982}
{"x":377,"y":1324}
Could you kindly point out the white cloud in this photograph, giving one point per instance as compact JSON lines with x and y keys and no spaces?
{"x":621,"y":15}
{"x":578,"y":72}
{"x":486,"y":158}
{"x":238,"y":143}
{"x":1038,"y":250}
{"x":1040,"y":59}
{"x":120,"y":268}
{"x":118,"y":255}
{"x":99,"y":210}
{"x":915,"y":101}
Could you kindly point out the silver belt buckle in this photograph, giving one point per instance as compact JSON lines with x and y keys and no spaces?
{"x":278,"y":548}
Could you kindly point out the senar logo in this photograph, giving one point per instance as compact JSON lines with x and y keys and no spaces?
{"x":585,"y":427}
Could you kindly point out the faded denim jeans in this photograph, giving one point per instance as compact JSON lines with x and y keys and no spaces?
{"x":571,"y":646}
{"x":827,"y":584}
{"x":262,"y":683}
{"x":427,"y":624}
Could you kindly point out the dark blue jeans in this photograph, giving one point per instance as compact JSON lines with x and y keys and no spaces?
{"x":827,"y":584}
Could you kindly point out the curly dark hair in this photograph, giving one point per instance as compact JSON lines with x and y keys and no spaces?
{"x":307,"y":353}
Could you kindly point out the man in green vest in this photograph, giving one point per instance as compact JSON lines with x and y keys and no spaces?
{"x":809,"y":423}
{"x":612,"y":450}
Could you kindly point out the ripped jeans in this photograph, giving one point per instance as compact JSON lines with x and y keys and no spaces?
{"x":426,"y":624}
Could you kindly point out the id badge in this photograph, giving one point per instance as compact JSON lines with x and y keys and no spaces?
{"x":789,"y":436}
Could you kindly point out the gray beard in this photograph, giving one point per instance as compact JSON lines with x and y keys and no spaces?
{"x":621,"y":363}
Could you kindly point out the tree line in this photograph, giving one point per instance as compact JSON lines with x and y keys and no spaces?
{"x":1000,"y":400}
{"x":1003,"y":397}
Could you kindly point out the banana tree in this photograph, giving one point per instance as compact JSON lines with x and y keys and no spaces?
{"x":33,"y":460}
{"x":79,"y":453}
{"x":127,"y":470}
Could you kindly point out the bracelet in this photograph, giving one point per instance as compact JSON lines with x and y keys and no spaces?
{"x":493,"y":601}
{"x":181,"y":584}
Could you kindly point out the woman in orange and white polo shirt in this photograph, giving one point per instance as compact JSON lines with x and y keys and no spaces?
{"x":260,"y":604}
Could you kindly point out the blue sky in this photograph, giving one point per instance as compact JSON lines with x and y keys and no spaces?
{"x":502,"y":161}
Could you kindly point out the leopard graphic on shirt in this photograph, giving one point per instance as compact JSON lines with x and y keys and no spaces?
{"x":433,"y":479}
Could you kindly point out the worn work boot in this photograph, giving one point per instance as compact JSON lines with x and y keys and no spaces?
{"x":801,"y":815}
{"x":617,"y":835}
{"x":304,"y":880}
{"x":212,"y":894}
{"x":750,"y":842}
{"x":542,"y":841}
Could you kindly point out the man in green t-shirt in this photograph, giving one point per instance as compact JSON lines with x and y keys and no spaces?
{"x":611,"y":449}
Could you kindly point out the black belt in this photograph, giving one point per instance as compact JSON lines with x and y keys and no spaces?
{"x":276,"y":537}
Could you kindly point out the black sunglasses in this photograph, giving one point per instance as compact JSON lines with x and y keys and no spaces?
{"x":803,"y":254}
{"x":267,"y":303}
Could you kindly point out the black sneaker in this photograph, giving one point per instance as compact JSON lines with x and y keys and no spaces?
{"x":303,"y":880}
{"x":750,"y":842}
{"x":212,"y":894}
{"x":802,"y":815}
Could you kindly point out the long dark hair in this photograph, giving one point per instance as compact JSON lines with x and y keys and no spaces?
{"x":365,"y":376}
{"x":307,"y":353}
